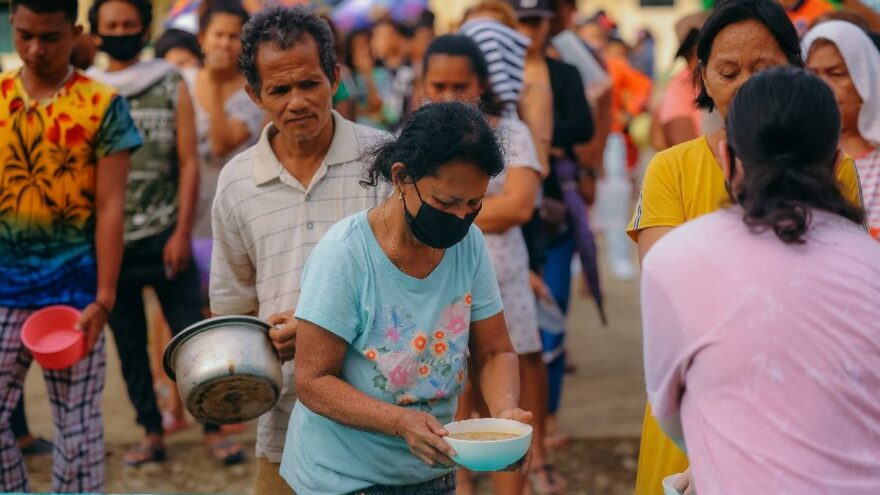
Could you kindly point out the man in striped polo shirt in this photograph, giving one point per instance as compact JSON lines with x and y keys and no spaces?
{"x":277,"y":199}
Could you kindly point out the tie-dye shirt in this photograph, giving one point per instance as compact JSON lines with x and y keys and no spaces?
{"x":48,"y":154}
{"x":407,"y":339}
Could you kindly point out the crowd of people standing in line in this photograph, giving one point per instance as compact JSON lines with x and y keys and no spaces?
{"x":250,"y":169}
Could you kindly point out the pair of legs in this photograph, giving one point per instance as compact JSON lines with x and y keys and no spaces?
{"x":173,"y":413}
{"x":557,"y":276}
{"x":75,"y":398}
{"x":181,"y":304}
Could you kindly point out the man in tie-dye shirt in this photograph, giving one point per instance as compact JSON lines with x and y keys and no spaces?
{"x":64,"y":155}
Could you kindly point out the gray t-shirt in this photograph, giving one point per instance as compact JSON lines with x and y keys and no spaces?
{"x":238,"y":107}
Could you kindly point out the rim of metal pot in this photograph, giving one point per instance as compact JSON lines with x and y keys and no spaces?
{"x":200,"y":327}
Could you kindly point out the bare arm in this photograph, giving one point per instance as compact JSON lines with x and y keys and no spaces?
{"x":319,"y":388}
{"x":374,"y":101}
{"x":514,"y":206}
{"x":363,"y":63}
{"x":591,"y":154}
{"x":536,"y":111}
{"x":188,"y":158}
{"x":648,"y":237}
{"x":110,"y":186}
{"x":178,"y":250}
{"x":496,"y":365}
{"x":225,"y":133}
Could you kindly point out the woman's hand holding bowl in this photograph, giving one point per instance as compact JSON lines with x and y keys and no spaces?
{"x":424,"y":435}
{"x":518,"y":414}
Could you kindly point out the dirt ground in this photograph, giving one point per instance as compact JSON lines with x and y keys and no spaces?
{"x":602,"y":408}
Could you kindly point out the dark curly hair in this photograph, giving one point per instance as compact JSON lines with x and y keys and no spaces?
{"x":788,"y":151}
{"x":767,"y":12}
{"x":143,"y":7}
{"x":284,"y":26}
{"x":433,"y":136}
{"x":70,"y":9}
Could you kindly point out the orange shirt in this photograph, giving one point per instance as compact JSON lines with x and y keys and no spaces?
{"x":630,"y":92}
{"x":807,"y":13}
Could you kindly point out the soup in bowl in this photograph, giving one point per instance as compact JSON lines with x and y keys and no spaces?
{"x":488,"y":444}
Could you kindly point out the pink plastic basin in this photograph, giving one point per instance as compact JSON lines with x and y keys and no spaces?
{"x":52,"y":338}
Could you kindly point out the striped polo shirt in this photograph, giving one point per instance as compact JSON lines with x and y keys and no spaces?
{"x":265,"y":224}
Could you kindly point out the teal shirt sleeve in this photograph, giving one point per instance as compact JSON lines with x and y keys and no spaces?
{"x":486,"y":297}
{"x":117,"y":131}
{"x":341,"y":93}
{"x":329,"y":296}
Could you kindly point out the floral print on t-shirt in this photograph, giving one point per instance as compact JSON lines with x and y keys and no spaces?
{"x":415,"y":365}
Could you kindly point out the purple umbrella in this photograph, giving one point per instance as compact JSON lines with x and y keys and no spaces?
{"x":357,"y":14}
{"x":566,"y":172}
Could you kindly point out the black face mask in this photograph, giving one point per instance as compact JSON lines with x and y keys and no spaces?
{"x":122,"y":48}
{"x":436,"y":228}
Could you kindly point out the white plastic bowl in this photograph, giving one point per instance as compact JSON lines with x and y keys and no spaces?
{"x":491,"y":455}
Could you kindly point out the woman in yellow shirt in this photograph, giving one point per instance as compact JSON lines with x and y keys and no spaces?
{"x":740,"y":38}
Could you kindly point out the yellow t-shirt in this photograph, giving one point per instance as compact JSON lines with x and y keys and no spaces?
{"x":681,"y":184}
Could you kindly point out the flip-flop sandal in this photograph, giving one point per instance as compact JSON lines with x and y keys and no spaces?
{"x":143,"y":454}
{"x":216,"y":449}
{"x":38,"y":446}
{"x":556,"y":483}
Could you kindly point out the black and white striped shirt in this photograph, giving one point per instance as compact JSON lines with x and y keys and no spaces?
{"x":505,"y":52}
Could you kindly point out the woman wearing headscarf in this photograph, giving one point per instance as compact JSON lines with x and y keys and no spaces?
{"x":845,"y":58}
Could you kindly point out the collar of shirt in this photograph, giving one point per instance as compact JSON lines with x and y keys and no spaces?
{"x":343,"y":148}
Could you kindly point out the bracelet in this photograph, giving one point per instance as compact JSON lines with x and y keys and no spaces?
{"x":103,"y":308}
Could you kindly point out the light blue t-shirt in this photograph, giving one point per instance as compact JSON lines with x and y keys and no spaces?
{"x":407,"y":346}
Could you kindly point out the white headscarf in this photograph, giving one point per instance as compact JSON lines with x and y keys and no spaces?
{"x":863,"y":63}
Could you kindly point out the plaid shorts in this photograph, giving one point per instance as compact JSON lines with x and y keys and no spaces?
{"x":75,"y":397}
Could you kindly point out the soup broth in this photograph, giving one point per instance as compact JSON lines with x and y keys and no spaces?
{"x":484,"y":436}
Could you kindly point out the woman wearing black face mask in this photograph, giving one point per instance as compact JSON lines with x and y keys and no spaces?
{"x":159,"y":211}
{"x":392,"y":300}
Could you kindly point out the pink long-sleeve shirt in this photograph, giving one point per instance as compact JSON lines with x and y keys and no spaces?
{"x":768,"y":353}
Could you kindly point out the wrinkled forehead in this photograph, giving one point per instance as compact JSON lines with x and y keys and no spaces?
{"x":301,"y":60}
{"x":746,"y":42}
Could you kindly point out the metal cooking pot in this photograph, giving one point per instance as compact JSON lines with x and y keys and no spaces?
{"x":226,"y":369}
